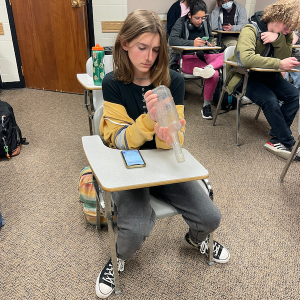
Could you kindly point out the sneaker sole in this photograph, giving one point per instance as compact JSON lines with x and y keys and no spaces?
{"x":100,"y":295}
{"x":204,"y":73}
{"x":207,"y":118}
{"x":281,"y":153}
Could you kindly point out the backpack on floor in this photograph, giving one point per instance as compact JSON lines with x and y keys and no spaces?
{"x":10,"y":133}
{"x":87,"y":195}
{"x":229,"y":102}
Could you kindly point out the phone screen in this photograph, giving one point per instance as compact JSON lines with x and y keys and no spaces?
{"x":205,"y":38}
{"x":133,"y":158}
{"x":212,"y":41}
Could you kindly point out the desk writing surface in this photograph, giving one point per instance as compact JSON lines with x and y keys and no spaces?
{"x":224,"y":31}
{"x":232,"y":63}
{"x":87,"y":82}
{"x":196,"y":48}
{"x":161,"y":167}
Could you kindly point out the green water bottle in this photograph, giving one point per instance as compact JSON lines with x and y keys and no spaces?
{"x":98,"y":64}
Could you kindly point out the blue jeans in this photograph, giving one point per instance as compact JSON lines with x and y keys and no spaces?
{"x":266,"y":94}
{"x":136,"y":218}
{"x":295,"y":76}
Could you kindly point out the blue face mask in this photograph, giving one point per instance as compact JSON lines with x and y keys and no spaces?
{"x":227,"y":5}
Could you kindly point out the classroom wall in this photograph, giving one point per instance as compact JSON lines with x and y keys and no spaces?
{"x":162,"y":7}
{"x":260,"y":5}
{"x":117,"y":10}
{"x":112,"y":10}
{"x":8,"y":63}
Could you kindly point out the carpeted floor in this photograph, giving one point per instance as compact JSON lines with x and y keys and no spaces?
{"x":46,"y":252}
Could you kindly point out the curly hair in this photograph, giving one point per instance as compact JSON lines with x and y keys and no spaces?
{"x":285,"y":11}
{"x":138,"y":22}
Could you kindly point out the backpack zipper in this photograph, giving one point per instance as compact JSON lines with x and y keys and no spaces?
{"x":5,"y":147}
{"x":3,"y":138}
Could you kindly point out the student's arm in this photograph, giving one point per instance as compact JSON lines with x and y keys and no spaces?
{"x":242,"y":20}
{"x":283,"y":45}
{"x":120,"y":131}
{"x":245,"y":51}
{"x":214,"y":18}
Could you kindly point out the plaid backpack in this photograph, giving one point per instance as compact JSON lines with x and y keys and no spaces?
{"x":10,"y":133}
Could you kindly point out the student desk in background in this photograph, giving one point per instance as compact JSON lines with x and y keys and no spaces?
{"x":221,"y":32}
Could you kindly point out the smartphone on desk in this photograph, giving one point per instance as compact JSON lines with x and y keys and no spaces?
{"x":133,"y":159}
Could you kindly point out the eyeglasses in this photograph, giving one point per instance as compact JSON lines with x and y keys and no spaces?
{"x":200,"y":18}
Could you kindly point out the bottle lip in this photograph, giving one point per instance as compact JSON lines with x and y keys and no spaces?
{"x":97,"y":47}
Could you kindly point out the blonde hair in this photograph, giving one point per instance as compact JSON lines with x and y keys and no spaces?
{"x":285,"y":11}
{"x":138,"y":22}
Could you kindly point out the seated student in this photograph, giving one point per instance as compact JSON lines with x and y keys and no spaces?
{"x":128,"y":122}
{"x":267,"y":43}
{"x":188,"y":31}
{"x":178,"y":9}
{"x":228,"y":16}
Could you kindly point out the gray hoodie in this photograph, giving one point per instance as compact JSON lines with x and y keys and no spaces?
{"x":240,"y":18}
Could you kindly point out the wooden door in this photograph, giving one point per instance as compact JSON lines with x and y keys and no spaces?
{"x":53,"y":42}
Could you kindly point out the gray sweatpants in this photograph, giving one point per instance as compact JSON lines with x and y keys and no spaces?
{"x":136,"y":218}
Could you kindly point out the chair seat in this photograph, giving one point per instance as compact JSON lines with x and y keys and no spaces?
{"x":189,"y":76}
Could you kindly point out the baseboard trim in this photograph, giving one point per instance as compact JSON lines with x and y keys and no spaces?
{"x":13,"y":85}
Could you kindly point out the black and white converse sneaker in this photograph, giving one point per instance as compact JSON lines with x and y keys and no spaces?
{"x":105,"y":283}
{"x":274,"y":146}
{"x":206,"y":112}
{"x":220,"y":253}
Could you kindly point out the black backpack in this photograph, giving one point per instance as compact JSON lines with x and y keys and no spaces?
{"x":228,"y":102}
{"x":10,"y":133}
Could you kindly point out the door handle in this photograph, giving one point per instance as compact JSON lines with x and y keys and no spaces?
{"x":77,"y":3}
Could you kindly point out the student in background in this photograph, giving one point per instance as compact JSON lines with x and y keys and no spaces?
{"x":179,"y":9}
{"x":228,"y":16}
{"x":266,"y":42}
{"x":189,"y":31}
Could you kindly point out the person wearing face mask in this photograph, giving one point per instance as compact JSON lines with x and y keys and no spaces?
{"x":266,"y":42}
{"x":228,"y":16}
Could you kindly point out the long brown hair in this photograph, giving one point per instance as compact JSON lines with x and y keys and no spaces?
{"x":285,"y":11}
{"x":138,"y":22}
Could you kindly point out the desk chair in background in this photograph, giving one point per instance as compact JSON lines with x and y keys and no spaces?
{"x":292,"y":156}
{"x":106,"y":163}
{"x":93,"y":98}
{"x":239,"y":95}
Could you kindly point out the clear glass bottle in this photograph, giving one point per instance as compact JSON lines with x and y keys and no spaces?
{"x":167,"y":116}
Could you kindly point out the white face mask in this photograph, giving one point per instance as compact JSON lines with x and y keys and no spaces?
{"x":227,"y":5}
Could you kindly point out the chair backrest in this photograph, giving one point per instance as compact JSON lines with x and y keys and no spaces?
{"x":108,"y":66}
{"x":229,"y":51}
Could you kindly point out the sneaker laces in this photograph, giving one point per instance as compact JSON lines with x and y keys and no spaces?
{"x":204,"y":247}
{"x":109,"y":272}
